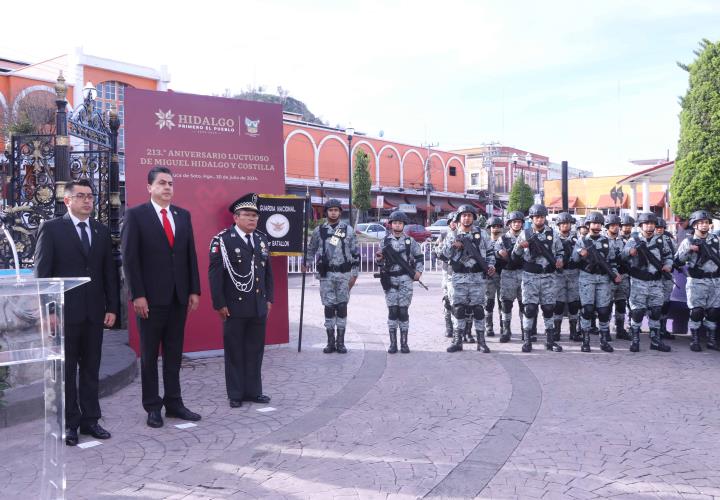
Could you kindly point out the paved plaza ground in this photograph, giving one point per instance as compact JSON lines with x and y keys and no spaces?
{"x":427,"y":424}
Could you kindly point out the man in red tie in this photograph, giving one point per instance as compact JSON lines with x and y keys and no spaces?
{"x":162,"y":276}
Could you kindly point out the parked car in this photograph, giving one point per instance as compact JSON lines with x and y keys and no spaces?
{"x":438,"y":228}
{"x":417,"y":232}
{"x":373,"y":229}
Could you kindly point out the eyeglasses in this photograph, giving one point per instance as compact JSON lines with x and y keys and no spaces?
{"x":83,"y":196}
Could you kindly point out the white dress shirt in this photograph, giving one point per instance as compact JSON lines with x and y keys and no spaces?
{"x":244,"y":236}
{"x":76,"y":221}
{"x":169,"y":214}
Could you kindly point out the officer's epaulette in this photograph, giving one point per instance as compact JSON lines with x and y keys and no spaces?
{"x":215,"y":241}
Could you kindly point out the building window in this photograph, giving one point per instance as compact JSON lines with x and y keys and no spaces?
{"x":453,"y":171}
{"x":474,"y":179}
{"x":110,"y":93}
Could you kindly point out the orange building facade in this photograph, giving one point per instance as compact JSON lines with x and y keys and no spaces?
{"x":316,"y":161}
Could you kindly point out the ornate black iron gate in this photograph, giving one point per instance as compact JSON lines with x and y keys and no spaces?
{"x":38,"y":166}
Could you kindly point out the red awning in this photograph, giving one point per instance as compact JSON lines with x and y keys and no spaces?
{"x":443,"y":203}
{"x":557,"y":202}
{"x":657,"y":199}
{"x":605,"y":201}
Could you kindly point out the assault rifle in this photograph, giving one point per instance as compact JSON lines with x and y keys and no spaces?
{"x":651,"y":258}
{"x":470,"y":250}
{"x":706,"y":252}
{"x":597,"y":259}
{"x":538,"y":247}
{"x":392,"y":257}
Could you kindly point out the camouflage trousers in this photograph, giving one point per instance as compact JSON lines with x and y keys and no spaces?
{"x":492,"y":293}
{"x":465,"y":298}
{"x":645,"y":295}
{"x":400,"y":294}
{"x":704,"y":293}
{"x":510,"y":288}
{"x":538,"y":289}
{"x":446,"y":300}
{"x":595,"y":290}
{"x":334,"y":290}
{"x":621,"y":291}
{"x":568,"y":290}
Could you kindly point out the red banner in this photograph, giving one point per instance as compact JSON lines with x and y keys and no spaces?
{"x":218,"y":149}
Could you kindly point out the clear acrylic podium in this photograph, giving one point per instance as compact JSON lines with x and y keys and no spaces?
{"x":40,"y":302}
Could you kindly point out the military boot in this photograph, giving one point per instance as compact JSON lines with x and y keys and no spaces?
{"x":468,"y":336}
{"x":527,"y":345}
{"x":393,"y":340}
{"x":550,"y":344}
{"x":695,"y":340}
{"x":620,"y":332}
{"x":448,"y":326}
{"x":664,"y":334}
{"x":656,"y":342}
{"x":340,"y":344}
{"x":635,"y":333}
{"x":481,"y":345}
{"x":585,"y":334}
{"x":556,"y":331}
{"x":403,"y":341}
{"x":507,"y":333}
{"x":457,"y":343}
{"x":330,"y":347}
{"x":712,"y":340}
{"x":574,"y":335}
{"x":605,"y":339}
{"x":489,"y":331}
{"x":533,"y":333}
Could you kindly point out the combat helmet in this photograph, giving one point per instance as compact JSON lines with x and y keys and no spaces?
{"x":399,"y":216}
{"x":537,"y":210}
{"x":594,"y":217}
{"x":332,"y":203}
{"x":516,"y":215}
{"x":661,"y":222}
{"x":647,"y":217}
{"x":627,"y":220}
{"x":612,"y":219}
{"x":494,"y":221}
{"x":699,"y":215}
{"x":565,"y":218}
{"x":466,"y":208}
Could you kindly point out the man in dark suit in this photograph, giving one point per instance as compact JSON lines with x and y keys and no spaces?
{"x":161,"y":272}
{"x":72,"y":246}
{"x":241,"y":285}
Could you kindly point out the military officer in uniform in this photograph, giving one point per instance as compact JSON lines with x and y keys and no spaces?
{"x":495,"y":226}
{"x":511,"y":277}
{"x":701,"y":252}
{"x":241,"y":285}
{"x":568,"y":294}
{"x":334,"y":248}
{"x":669,"y":242}
{"x":542,"y":252}
{"x":396,"y":282}
{"x":446,"y":270}
{"x":627,"y":223}
{"x":621,"y":291}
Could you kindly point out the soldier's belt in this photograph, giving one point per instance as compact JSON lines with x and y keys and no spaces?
{"x":644,"y":275}
{"x":699,"y":274}
{"x":342,"y":268}
{"x":534,"y":268}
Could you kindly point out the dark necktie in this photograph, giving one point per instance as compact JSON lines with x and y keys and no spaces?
{"x":167,"y":227}
{"x":84,"y":237}
{"x":249,"y":241}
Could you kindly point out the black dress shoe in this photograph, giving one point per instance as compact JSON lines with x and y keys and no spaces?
{"x":154,"y":419}
{"x":182,"y":413}
{"x":235,"y":403}
{"x":262,"y":398}
{"x":95,"y":430}
{"x":71,"y":437}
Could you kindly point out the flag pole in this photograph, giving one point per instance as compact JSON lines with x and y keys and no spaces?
{"x":306,"y":216}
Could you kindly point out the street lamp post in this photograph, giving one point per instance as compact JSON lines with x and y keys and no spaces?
{"x":514,"y":158}
{"x":350,"y":132}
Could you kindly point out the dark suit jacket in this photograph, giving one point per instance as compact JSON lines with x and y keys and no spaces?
{"x":59,"y":254}
{"x":153,"y":269}
{"x":250,"y":304}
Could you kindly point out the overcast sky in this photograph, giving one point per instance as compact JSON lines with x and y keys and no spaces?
{"x":594,"y":83}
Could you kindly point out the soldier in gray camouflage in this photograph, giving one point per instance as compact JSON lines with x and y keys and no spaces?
{"x":669,"y":242}
{"x":568,"y":294}
{"x":396,"y":282}
{"x":469,"y":253}
{"x":701,"y":252}
{"x":334,"y":248}
{"x":627,"y":223}
{"x":492,"y":293}
{"x":649,"y":262}
{"x":597,"y":257}
{"x":446,"y":270}
{"x":511,"y":277}
{"x":542,"y":252}
{"x":621,"y":291}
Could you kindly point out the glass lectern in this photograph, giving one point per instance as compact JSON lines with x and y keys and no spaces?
{"x":39,"y":303}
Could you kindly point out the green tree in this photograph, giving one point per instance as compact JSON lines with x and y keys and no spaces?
{"x":361,"y":184}
{"x":521,"y":196}
{"x":695,"y":183}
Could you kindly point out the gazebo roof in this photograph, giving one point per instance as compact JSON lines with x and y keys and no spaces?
{"x":659,"y":174}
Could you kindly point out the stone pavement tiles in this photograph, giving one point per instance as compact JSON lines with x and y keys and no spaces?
{"x":426,"y":424}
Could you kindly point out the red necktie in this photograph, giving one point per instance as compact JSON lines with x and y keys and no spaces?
{"x":167,"y":227}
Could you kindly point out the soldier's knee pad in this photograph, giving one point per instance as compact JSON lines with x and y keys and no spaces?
{"x":490,"y":305}
{"x":588,"y":311}
{"x":342,"y":310}
{"x":697,"y":313}
{"x":620,"y":306}
{"x":713,"y":314}
{"x":403,"y":314}
{"x":559,"y":307}
{"x":548,"y":310}
{"x":574,"y":307}
{"x":637,"y":315}
{"x":530,"y":310}
{"x":329,"y":311}
{"x":459,"y":311}
{"x":507,"y":306}
{"x":604,"y":314}
{"x":479,"y":312}
{"x":393,"y":312}
{"x":655,"y":312}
